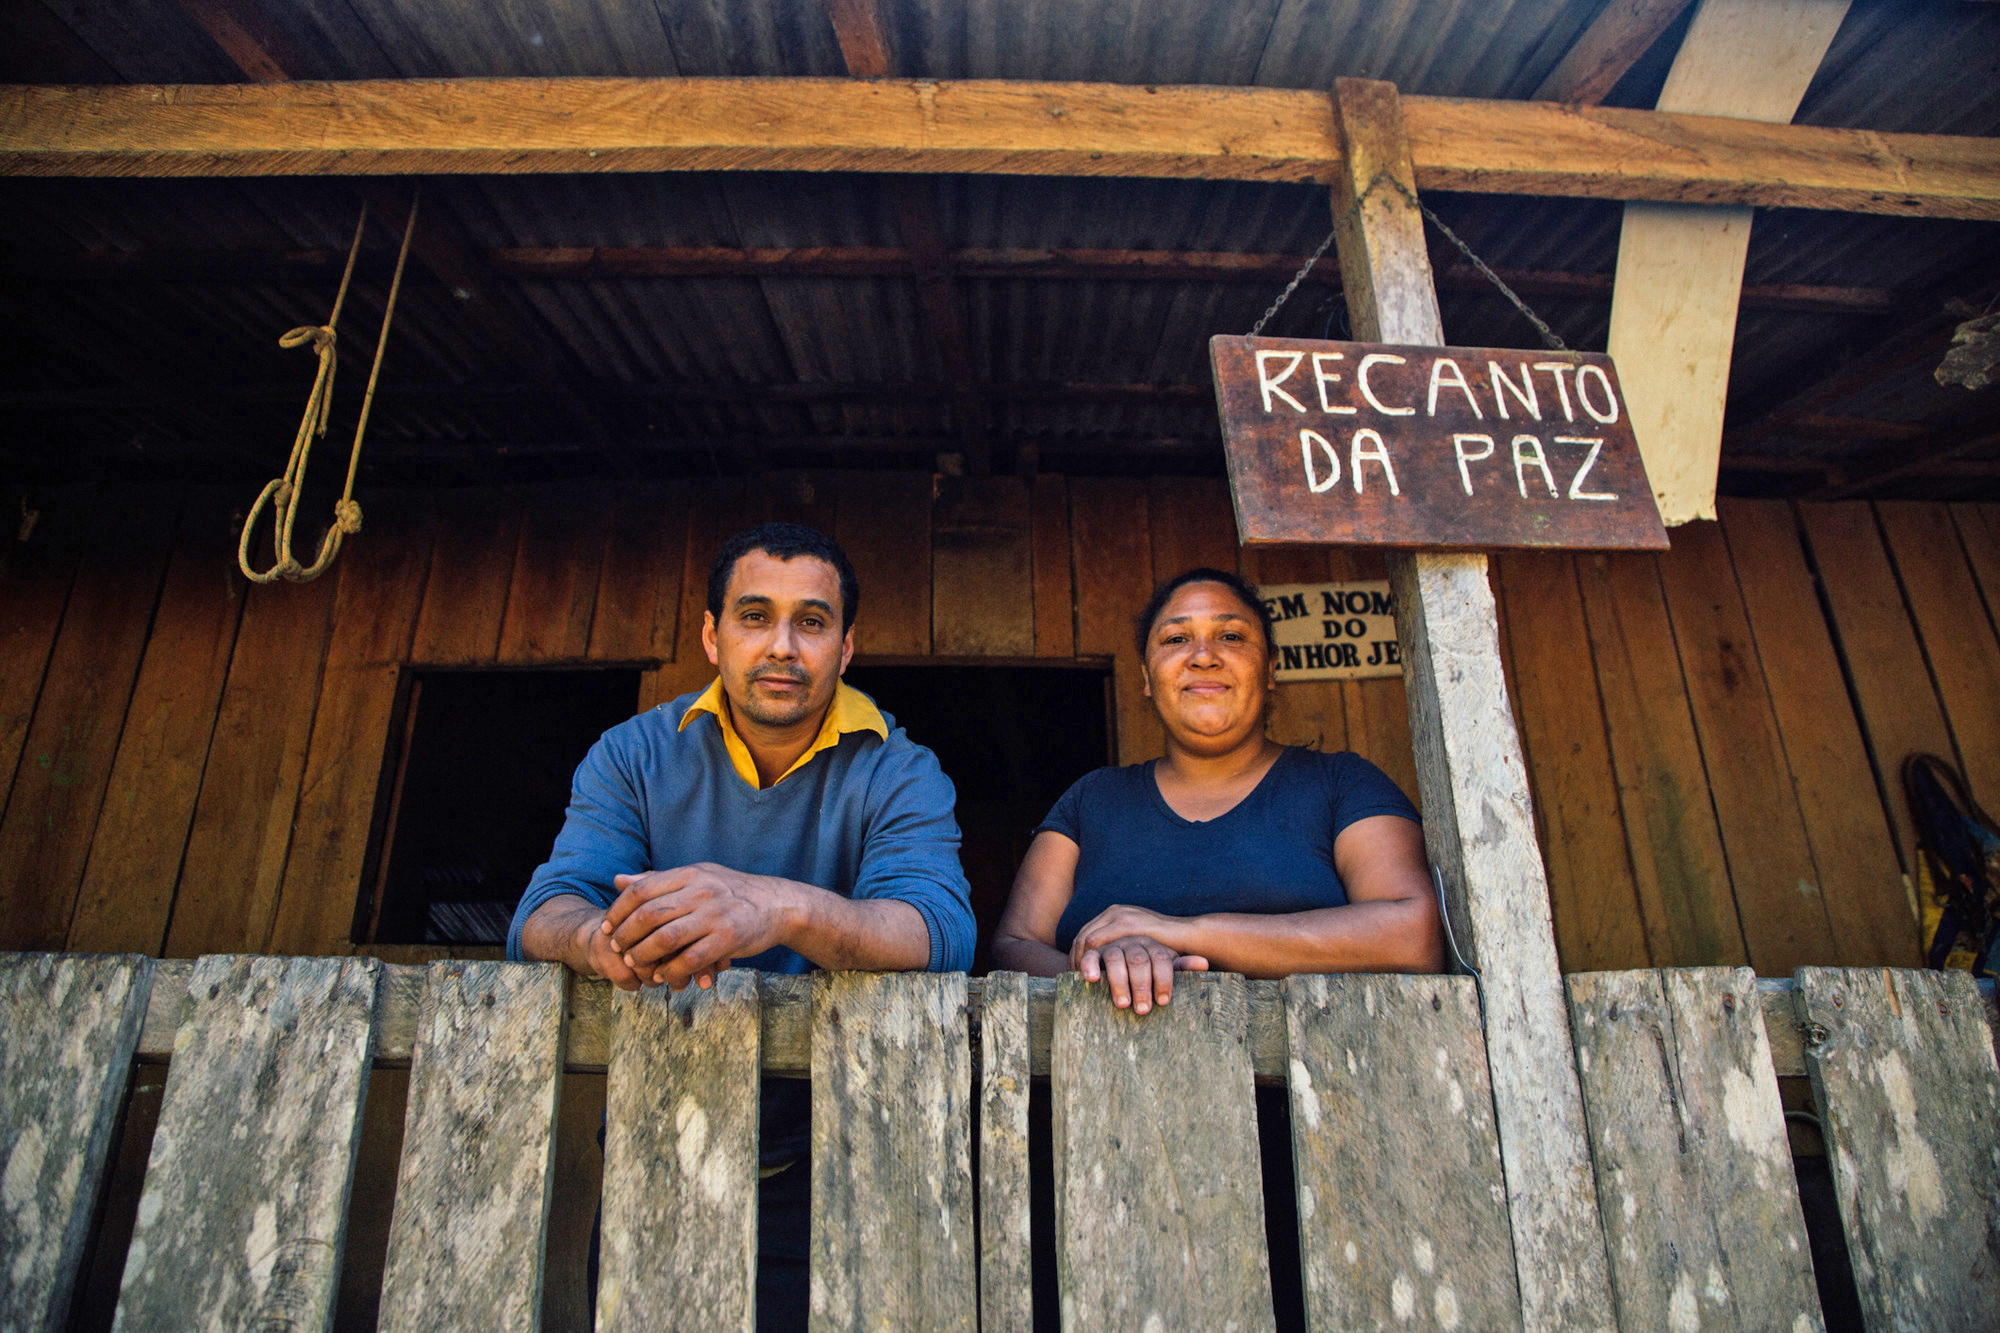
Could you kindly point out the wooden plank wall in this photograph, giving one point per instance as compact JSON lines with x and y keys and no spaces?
{"x":190,"y":765}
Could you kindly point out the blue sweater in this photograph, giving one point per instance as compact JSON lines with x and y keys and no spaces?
{"x":867,"y":818}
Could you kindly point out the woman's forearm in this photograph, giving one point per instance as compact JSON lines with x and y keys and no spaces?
{"x":1392,"y":935}
{"x":1011,"y":953}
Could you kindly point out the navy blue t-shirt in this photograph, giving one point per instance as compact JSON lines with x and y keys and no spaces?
{"x":1271,"y":852}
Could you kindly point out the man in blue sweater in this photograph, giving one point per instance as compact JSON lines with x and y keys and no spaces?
{"x":776,"y":820}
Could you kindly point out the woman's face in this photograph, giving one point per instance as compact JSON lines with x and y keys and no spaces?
{"x":1208,"y":669}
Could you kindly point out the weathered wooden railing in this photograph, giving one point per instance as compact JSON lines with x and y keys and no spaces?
{"x":1401,"y":1202}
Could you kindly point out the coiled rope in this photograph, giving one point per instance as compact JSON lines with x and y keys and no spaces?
{"x":284,"y":493}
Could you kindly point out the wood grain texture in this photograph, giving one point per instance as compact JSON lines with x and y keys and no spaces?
{"x":1159,"y":1217}
{"x":680,"y":1159}
{"x":717,"y":510}
{"x":1114,"y":576}
{"x":149,"y":802}
{"x":982,"y":557}
{"x":1055,"y":601}
{"x":1006,"y":1285}
{"x":892,"y":1224}
{"x":71,"y":1026}
{"x":1593,"y":893}
{"x":554,"y":589}
{"x":884,"y":525}
{"x":1015,"y":128}
{"x":1694,"y":1168}
{"x":1903,"y":1072}
{"x":1192,"y":525}
{"x":1622,"y":32}
{"x":34,"y":584}
{"x":1771,"y":869}
{"x":1853,"y":847}
{"x":465,"y":598}
{"x":244,"y":1214}
{"x":472,"y":1197}
{"x":1479,"y":827}
{"x":639,"y":583}
{"x":1979,"y":529}
{"x":1402,"y":1208}
{"x":1312,"y":713}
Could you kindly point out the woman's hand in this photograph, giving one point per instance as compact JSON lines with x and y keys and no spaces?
{"x":1122,"y":945}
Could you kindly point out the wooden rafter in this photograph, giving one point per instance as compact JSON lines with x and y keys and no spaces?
{"x":1623,"y":31}
{"x":429,"y":127}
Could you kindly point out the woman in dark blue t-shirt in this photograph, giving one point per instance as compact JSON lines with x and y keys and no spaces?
{"x":1233,"y":852}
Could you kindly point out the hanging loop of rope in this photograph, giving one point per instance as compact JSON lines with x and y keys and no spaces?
{"x":283,"y":494}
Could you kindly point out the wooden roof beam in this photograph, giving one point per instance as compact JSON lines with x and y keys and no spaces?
{"x":531,"y":126}
{"x":1623,"y":31}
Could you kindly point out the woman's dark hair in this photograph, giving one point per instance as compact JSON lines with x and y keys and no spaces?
{"x":1142,"y":626}
{"x":784,"y":541}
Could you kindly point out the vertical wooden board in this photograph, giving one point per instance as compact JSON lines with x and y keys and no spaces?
{"x":1771,"y":870}
{"x":1853,"y":846}
{"x":1006,"y":1287}
{"x":71,"y":1027}
{"x":242,"y":827}
{"x":1694,"y":1170}
{"x":1979,"y":530}
{"x":639,"y":585}
{"x":1114,"y":576}
{"x":982,"y":599}
{"x":1378,"y":710}
{"x":382,"y":573}
{"x":465,"y":597}
{"x":1159,"y":1214}
{"x":1592,"y":891}
{"x":33,"y":587}
{"x":1903,"y":1071}
{"x":884,"y":525}
{"x":798,"y":496}
{"x":1192,"y":525}
{"x":892,"y":1222}
{"x":1311,"y":713}
{"x":576,"y":1191}
{"x":1055,"y":597}
{"x":66,"y":763}
{"x":680,"y":1158}
{"x":556,"y":569}
{"x":472,"y":1197}
{"x":244,"y":1214}
{"x":1670,"y":826}
{"x":710,"y":523}
{"x":149,"y":801}
{"x":1402,"y":1207}
{"x":1958,"y":641}
{"x":1900,"y":712}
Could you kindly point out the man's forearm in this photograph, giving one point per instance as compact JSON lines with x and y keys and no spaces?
{"x":867,"y":935}
{"x":551,"y":932}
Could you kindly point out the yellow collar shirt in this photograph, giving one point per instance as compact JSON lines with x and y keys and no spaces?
{"x":851,"y":710}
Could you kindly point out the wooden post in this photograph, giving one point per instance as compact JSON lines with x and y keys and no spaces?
{"x":1478,"y":824}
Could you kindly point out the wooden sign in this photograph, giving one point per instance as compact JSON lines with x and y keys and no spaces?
{"x":1332,"y":631}
{"x":1371,"y":444}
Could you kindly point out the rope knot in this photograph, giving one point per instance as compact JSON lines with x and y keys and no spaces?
{"x":321,"y":336}
{"x":347,"y":516}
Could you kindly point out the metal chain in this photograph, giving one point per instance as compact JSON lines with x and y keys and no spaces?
{"x":1291,"y":286}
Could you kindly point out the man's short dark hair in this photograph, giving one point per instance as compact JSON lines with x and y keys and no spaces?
{"x":785,"y":541}
{"x":1142,"y":626}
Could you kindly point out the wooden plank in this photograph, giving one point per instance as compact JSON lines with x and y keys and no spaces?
{"x":1006,"y":1285}
{"x":374,"y":615}
{"x":1622,"y":32}
{"x":1958,"y":643}
{"x":388,"y":127}
{"x":149,"y":801}
{"x":1900,"y":711}
{"x":1114,"y":576}
{"x":1904,"y":1076}
{"x":884,"y":525}
{"x":982,"y":603}
{"x":1159,"y":1220}
{"x":556,"y":568}
{"x":242,"y":830}
{"x":1479,"y":826}
{"x":1694,"y":1169}
{"x":1191,"y":525}
{"x":794,"y":495}
{"x":1853,"y":847}
{"x":1592,"y":889}
{"x":1378,"y":710}
{"x":465,"y":598}
{"x":1402,"y":1209}
{"x":1677,"y":857}
{"x":1979,"y":531}
{"x":66,"y":764}
{"x":1771,"y":870}
{"x":245,"y":1210}
{"x":1055,"y":599}
{"x":472,"y":1198}
{"x":680,"y":1158}
{"x":892,"y":1243}
{"x":1312,"y":713}
{"x":34,"y":585}
{"x":639,"y":584}
{"x":72,"y":1025}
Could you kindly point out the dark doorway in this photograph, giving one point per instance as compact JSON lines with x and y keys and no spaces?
{"x":478,"y":796}
{"x":1012,"y":739}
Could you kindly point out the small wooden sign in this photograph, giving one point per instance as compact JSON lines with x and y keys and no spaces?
{"x":1372,"y":444}
{"x":1333,"y":631}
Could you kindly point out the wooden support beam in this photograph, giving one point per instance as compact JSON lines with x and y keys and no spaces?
{"x":537,"y":126}
{"x":1479,"y":826}
{"x":1623,"y":31}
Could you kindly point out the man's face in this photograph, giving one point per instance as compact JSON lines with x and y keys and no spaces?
{"x":778,"y":644}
